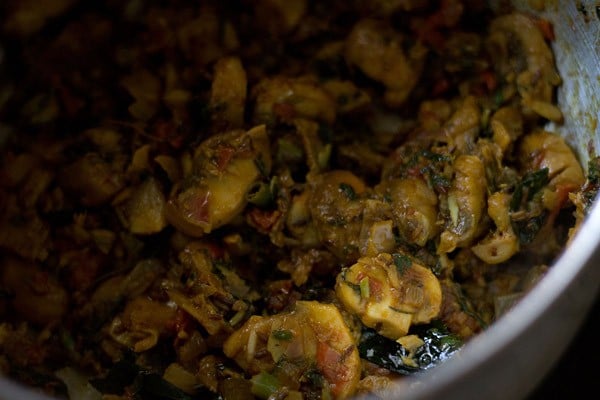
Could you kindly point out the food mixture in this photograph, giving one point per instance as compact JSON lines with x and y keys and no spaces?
{"x":270,"y":199}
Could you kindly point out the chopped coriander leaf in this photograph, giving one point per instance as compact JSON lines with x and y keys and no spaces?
{"x":593,"y":174}
{"x":530,"y":184}
{"x":402,"y":262}
{"x":283,"y":334}
{"x":348,"y":191}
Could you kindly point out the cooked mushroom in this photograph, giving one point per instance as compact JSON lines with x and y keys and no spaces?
{"x":389,"y":293}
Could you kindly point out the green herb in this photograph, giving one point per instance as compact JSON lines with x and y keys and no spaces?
{"x":466,"y":306}
{"x":431,"y":166}
{"x":348,"y":191}
{"x":350,"y":249}
{"x":529,"y":185}
{"x":260,"y":194}
{"x":365,"y":290}
{"x":589,"y":191}
{"x":354,"y":287}
{"x":535,"y":181}
{"x":528,"y":229}
{"x":337,"y":220}
{"x":498,"y":98}
{"x":260,"y":165}
{"x":439,"y":345}
{"x":435,"y":157}
{"x":386,"y":353}
{"x":264,"y":385}
{"x":283,"y":334}
{"x":402,"y":262}
{"x":593,"y":174}
{"x":324,"y":155}
{"x":237,"y":317}
{"x":439,"y":182}
{"x":315,"y":378}
{"x":485,"y":119}
{"x":453,"y":209}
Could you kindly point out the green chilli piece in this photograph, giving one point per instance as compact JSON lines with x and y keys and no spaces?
{"x":260,"y":194}
{"x":365,"y":290}
{"x":264,"y":385}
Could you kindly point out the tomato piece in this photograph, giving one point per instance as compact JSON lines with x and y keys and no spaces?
{"x":331,"y":364}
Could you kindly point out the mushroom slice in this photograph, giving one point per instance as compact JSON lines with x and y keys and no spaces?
{"x":502,"y":244}
{"x":507,"y":127}
{"x":543,"y":149}
{"x":379,"y":52}
{"x":390,"y":292}
{"x":336,"y":205}
{"x":466,"y":203}
{"x":227,"y":167}
{"x":414,"y":208}
{"x":312,"y":335}
{"x":518,"y":47}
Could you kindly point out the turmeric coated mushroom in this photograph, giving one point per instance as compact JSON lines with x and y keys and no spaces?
{"x":389,"y":293}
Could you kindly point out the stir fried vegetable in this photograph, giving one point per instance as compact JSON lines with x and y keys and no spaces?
{"x":270,"y":199}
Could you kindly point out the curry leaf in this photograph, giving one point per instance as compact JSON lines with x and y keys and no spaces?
{"x":386,"y":353}
{"x":438,"y":345}
{"x":529,"y":185}
{"x":528,"y":229}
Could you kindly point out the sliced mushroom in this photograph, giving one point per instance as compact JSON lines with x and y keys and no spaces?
{"x":227,"y":167}
{"x":389,"y":293}
{"x":543,"y":149}
{"x":519,"y":49}
{"x":141,"y":323}
{"x":336,"y":209}
{"x":313,"y":334}
{"x":414,"y":208}
{"x":502,"y":244}
{"x":460,"y":131}
{"x":378,"y":51}
{"x":507,"y":126}
{"x":282,"y":98}
{"x":466,"y":203}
